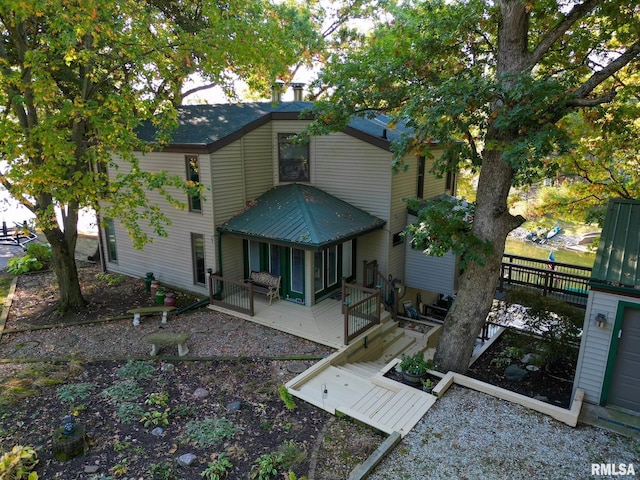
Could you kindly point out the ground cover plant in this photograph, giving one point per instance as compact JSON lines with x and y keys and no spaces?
{"x":245,"y":422}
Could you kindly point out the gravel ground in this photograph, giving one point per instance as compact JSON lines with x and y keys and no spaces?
{"x":470,"y":435}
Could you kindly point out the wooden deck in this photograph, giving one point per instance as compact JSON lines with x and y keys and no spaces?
{"x":351,"y":381}
{"x":322,"y":323}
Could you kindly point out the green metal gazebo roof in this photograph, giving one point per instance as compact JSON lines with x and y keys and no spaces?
{"x":616,"y":261}
{"x":302,"y":216}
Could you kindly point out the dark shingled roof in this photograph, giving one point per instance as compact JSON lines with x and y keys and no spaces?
{"x":616,"y":261}
{"x":302,"y":216}
{"x":214,"y":126}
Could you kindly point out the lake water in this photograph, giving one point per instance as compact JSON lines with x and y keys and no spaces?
{"x":525,"y":248}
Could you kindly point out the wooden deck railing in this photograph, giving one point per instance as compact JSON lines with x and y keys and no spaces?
{"x":559,"y":280}
{"x":373,"y":278}
{"x":361,"y":308}
{"x":231,"y":294}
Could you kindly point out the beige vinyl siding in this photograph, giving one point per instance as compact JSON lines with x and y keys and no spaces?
{"x":371,"y":247}
{"x":258,"y":161}
{"x":596,"y":341}
{"x":403,"y":186}
{"x":353,"y":170}
{"x":433,"y":186}
{"x":228,"y":185}
{"x":431,"y":274}
{"x":232,"y":260}
{"x":169,"y":258}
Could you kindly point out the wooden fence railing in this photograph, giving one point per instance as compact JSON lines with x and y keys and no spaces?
{"x":361,"y":308}
{"x":559,"y":280}
{"x":231,"y":294}
{"x":373,"y":278}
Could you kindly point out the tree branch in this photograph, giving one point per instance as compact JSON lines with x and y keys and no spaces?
{"x":592,"y":102}
{"x":558,"y":31}
{"x":632,"y":53}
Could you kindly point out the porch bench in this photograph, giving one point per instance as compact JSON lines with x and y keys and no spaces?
{"x":266,"y":284}
{"x":167,"y":338}
{"x":137,"y":312}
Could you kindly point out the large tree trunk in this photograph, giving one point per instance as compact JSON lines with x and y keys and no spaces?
{"x":63,"y":247}
{"x":492,"y":221}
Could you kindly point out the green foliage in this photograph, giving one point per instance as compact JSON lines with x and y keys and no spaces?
{"x":292,"y":455}
{"x":72,"y":392}
{"x":286,"y":397}
{"x":163,"y":471}
{"x":218,"y":468}
{"x":507,"y":356}
{"x":24,"y":264}
{"x":161,"y":399}
{"x":266,"y":466}
{"x":110,"y":278}
{"x":444,"y":225}
{"x":18,"y":464}
{"x":415,"y":364}
{"x":129,"y":412}
{"x":555,"y":321}
{"x":209,"y":432}
{"x":155,"y":417}
{"x":125,"y":390}
{"x":137,"y":370}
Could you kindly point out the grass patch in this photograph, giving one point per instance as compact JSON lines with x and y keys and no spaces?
{"x":5,"y":286}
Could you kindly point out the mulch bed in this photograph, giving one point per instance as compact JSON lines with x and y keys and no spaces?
{"x":554,"y":387}
{"x":239,"y":364}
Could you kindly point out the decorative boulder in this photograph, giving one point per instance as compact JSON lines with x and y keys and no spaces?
{"x":514,"y":373}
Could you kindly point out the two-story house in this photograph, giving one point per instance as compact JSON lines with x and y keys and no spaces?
{"x":310,"y":212}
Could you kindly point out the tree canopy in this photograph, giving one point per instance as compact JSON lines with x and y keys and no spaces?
{"x":492,"y":83}
{"x":77,"y":78}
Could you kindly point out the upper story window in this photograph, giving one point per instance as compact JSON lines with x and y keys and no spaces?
{"x":421,"y":170}
{"x":193,"y":177}
{"x":293,"y":159}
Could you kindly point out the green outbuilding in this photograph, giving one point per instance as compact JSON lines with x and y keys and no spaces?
{"x":608,"y":368}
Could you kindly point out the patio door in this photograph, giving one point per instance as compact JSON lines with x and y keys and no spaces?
{"x":326,"y":271}
{"x":624,"y":386}
{"x":294,"y":289}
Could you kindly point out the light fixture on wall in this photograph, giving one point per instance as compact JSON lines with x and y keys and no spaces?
{"x":601,"y":320}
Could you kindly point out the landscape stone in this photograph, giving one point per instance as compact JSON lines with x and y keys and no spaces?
{"x":200,"y":393}
{"x":168,"y":367}
{"x":186,"y":459}
{"x":91,"y":468}
{"x":156,"y":432}
{"x":296,"y":367}
{"x":233,"y":407}
{"x":514,"y":373}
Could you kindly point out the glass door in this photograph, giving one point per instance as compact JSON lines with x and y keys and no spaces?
{"x":296,"y":270}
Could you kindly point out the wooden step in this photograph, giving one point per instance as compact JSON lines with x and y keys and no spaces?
{"x":364,"y":369}
{"x":390,"y":411}
{"x":397,"y":348}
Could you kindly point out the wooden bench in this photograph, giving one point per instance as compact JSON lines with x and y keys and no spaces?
{"x":266,"y":284}
{"x":167,"y":338}
{"x":137,"y":312}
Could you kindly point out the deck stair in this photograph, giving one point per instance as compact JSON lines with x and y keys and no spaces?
{"x":352,"y":382}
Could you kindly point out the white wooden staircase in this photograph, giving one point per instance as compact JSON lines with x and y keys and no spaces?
{"x":352,"y":381}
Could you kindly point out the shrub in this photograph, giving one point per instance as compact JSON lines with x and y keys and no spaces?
{"x":555,"y":321}
{"x":75,"y":391}
{"x":37,"y":257}
{"x":286,"y":397}
{"x":218,"y":468}
{"x":209,"y":431}
{"x":18,"y":464}
{"x":129,"y":412}
{"x":136,"y":370}
{"x":125,"y":390}
{"x":266,"y":466}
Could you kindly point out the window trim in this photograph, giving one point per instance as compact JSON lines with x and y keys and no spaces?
{"x":195,"y":258}
{"x":112,"y":243}
{"x":193,"y":175}
{"x":284,"y":139}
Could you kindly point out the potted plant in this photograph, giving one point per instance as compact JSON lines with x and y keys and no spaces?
{"x":414,"y":368}
{"x":427,"y":385}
